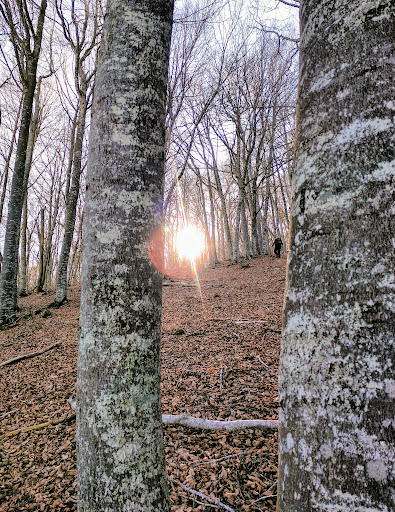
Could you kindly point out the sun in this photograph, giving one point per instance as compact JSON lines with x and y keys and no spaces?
{"x":189,"y":242}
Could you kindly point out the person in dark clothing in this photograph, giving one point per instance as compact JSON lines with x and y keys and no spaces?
{"x":277,"y":247}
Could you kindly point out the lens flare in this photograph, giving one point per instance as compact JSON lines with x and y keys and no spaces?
{"x":189,"y":242}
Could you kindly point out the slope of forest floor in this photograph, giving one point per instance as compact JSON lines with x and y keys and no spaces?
{"x":220,"y":354}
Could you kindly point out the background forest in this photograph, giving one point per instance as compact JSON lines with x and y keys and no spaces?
{"x":229,"y":129}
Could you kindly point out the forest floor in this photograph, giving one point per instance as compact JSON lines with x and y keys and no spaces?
{"x":220,"y":355}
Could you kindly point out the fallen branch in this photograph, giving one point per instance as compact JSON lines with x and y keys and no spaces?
{"x":201,"y":495}
{"x":205,"y":504}
{"x":71,"y":417}
{"x":266,"y":497}
{"x":2,"y":416}
{"x":169,"y":419}
{"x":28,"y":356}
{"x":263,"y":498}
{"x":230,"y":426}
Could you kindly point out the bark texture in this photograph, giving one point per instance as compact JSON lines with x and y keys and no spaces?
{"x":337,"y":387}
{"x":120,"y":459}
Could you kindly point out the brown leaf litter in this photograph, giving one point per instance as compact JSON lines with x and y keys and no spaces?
{"x":220,"y":354}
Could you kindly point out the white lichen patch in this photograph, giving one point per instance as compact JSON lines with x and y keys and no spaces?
{"x":121,"y":137}
{"x":384,"y":171}
{"x":111,"y":236}
{"x":128,"y":199}
{"x":323,"y":81}
{"x":361,"y":128}
{"x":377,"y":470}
{"x":290,"y":443}
{"x":390,"y":387}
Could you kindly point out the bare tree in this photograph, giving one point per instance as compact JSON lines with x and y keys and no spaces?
{"x":26,"y":40}
{"x":82,"y":34}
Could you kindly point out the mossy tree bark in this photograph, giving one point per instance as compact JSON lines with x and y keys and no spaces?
{"x":337,"y":387}
{"x":120,"y":456}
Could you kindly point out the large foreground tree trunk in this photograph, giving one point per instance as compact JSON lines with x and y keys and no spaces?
{"x":337,"y":386}
{"x":120,"y":461}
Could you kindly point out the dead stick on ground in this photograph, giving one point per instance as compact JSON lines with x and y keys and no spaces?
{"x":28,"y":356}
{"x":201,"y":495}
{"x":230,"y":426}
{"x":8,"y":413}
{"x":205,"y":504}
{"x":169,"y":419}
{"x":263,"y":498}
{"x":198,"y":502}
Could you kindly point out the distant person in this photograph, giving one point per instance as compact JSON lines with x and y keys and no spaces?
{"x":277,"y":247}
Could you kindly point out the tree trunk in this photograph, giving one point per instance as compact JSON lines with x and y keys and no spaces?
{"x":120,"y":461}
{"x":9,"y":274}
{"x":213,"y":252}
{"x":52,"y":218}
{"x":71,"y":205}
{"x":224,"y":212}
{"x":41,"y":237}
{"x":205,"y":222}
{"x":285,"y":202}
{"x":75,"y":257}
{"x":23,"y":243}
{"x":244,"y":229}
{"x":337,"y":386}
{"x":8,"y":160}
{"x":235,"y":255}
{"x":265,"y":208}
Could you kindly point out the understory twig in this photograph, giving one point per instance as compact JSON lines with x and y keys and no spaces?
{"x":29,"y":356}
{"x":201,"y":495}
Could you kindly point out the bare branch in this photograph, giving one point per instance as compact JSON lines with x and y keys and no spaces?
{"x":296,"y":4}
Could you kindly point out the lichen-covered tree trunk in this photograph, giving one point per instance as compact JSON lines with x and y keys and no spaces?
{"x":71,"y":203}
{"x":120,"y":457}
{"x":337,"y":386}
{"x":244,"y":228}
{"x":213,"y":253}
{"x":8,"y":161}
{"x":23,"y":245}
{"x":9,"y":274}
{"x":236,"y":237}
